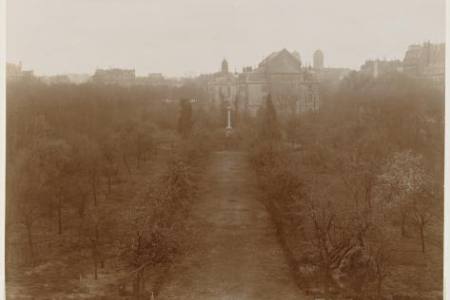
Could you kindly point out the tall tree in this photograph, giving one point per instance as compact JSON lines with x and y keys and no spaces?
{"x":269,"y":128}
{"x":185,"y":119}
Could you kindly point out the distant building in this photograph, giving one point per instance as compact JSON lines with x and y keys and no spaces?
{"x":296,"y":54}
{"x":222,"y":86}
{"x":293,"y":89}
{"x":318,"y":59}
{"x":65,"y":79}
{"x":224,"y":66}
{"x":14,"y":72}
{"x":152,"y":79}
{"x":332,"y":75}
{"x":426,"y":61}
{"x":156,"y":77}
{"x":78,"y":78}
{"x":115,"y":76}
{"x":56,"y":79}
{"x":377,"y":67}
{"x":327,"y":75}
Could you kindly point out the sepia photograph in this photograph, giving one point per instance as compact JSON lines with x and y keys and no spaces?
{"x":227,"y":149}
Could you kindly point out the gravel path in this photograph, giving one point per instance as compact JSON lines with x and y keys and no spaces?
{"x":237,"y":255}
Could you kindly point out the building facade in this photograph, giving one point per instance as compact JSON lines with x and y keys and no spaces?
{"x":222,"y":87}
{"x":318,"y":59}
{"x":115,"y":76}
{"x":152,"y":79}
{"x":14,"y":72}
{"x":378,"y":67}
{"x":326,"y":74}
{"x":293,"y":89}
{"x":426,"y":61}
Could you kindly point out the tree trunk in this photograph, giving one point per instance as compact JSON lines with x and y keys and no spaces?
{"x":109,"y":183}
{"x":97,"y":234}
{"x":379,"y":285}
{"x":59,"y":215}
{"x":369,"y":195}
{"x":422,"y":236}
{"x":96,"y":253}
{"x":326,"y":281}
{"x":82,"y":206}
{"x":95,"y":267}
{"x":137,"y":286}
{"x":95,"y":257}
{"x":50,"y":210}
{"x":125,"y":161}
{"x":30,"y":241}
{"x":138,"y":158}
{"x":143,"y":280}
{"x":403,"y":225}
{"x":94,"y":187}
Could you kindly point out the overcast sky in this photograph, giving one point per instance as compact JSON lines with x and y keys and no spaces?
{"x":193,"y":36}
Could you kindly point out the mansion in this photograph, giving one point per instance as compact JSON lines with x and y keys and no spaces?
{"x":293,"y":88}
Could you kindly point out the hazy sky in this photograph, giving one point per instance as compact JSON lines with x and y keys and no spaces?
{"x":193,"y":36}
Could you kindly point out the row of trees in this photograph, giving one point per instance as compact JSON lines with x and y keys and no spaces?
{"x":98,"y":181}
{"x":357,"y":186}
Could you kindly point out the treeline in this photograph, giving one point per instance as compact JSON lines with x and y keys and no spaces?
{"x":99,"y":181}
{"x":356,"y":190}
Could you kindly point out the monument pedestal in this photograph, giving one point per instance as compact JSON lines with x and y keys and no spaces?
{"x":228,"y":131}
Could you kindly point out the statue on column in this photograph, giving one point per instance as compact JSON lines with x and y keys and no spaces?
{"x":228,"y":129}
